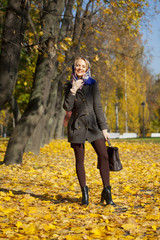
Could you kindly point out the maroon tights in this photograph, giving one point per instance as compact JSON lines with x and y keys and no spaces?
{"x":103,"y":165}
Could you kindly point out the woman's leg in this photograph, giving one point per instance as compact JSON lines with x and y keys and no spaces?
{"x":80,"y":170}
{"x":79,"y":151}
{"x":103,"y":164}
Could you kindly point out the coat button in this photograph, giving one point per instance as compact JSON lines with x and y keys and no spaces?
{"x":79,"y":127}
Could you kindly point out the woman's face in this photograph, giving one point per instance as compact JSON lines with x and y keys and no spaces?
{"x":80,"y":68}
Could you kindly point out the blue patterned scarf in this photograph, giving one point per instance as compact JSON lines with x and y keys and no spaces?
{"x":88,"y":80}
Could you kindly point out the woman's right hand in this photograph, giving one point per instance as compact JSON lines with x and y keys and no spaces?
{"x":106,"y":134}
{"x":76,"y":85}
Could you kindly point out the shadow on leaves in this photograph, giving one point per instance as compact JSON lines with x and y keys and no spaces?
{"x":45,"y":197}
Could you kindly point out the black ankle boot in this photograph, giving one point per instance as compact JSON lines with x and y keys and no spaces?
{"x":106,"y":195}
{"x":85,"y":197}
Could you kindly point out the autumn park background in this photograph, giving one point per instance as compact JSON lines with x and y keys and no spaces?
{"x":39,"y":192}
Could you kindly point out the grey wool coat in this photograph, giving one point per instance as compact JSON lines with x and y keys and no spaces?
{"x":87,"y":120}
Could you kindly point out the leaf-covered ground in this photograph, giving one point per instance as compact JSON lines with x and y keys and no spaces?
{"x":42,"y":198}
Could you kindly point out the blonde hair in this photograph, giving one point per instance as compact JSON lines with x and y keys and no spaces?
{"x":84,"y":59}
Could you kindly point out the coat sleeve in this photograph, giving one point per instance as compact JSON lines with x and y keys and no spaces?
{"x":69,"y":98}
{"x":98,"y":107}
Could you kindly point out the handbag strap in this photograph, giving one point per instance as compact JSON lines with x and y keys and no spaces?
{"x":108,"y":142}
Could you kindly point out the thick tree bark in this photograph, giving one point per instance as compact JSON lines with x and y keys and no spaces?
{"x":41,"y":88}
{"x":15,"y":109}
{"x":51,"y":124}
{"x":59,"y":132}
{"x":58,"y":116}
{"x":42,"y":133}
{"x":60,"y":113}
{"x":13,"y":34}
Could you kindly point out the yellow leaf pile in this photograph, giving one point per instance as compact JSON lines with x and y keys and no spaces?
{"x":42,"y":198}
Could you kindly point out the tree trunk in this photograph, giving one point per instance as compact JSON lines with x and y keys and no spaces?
{"x":59,"y":131}
{"x":13,"y":34}
{"x":15,"y":109}
{"x":43,"y":135}
{"x":49,"y":123}
{"x":51,"y":119}
{"x":59,"y":113}
{"x":42,"y":81}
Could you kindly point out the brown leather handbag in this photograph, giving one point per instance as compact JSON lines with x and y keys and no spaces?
{"x":113,"y":156}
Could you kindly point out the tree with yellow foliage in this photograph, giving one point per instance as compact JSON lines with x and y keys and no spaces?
{"x":68,"y":28}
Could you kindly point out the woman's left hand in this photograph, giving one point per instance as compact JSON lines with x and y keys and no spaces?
{"x":105,"y":133}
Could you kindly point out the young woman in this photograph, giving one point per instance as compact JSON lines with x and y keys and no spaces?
{"x":87,"y":122}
